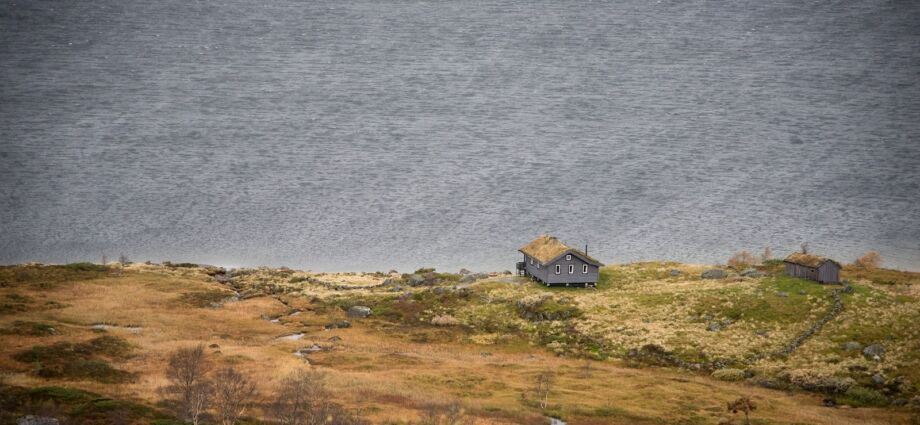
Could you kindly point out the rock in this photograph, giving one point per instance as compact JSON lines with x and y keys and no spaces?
{"x":829,"y":402}
{"x":749,"y":272}
{"x":675,"y":272}
{"x":899,"y":402}
{"x":852,"y":346}
{"x":802,"y":292}
{"x":507,"y":273}
{"x":762,"y":332}
{"x":464,"y":272}
{"x":782,"y":294}
{"x":714,"y":327}
{"x":36,"y":420}
{"x":878,"y":379}
{"x":713,"y":274}
{"x":335,"y":339}
{"x":874,"y":351}
{"x":214,"y":346}
{"x":338,"y":325}
{"x":359,"y":311}
{"x":415,"y":279}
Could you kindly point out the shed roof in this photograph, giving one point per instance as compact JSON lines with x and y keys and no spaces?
{"x":546,"y":248}
{"x":808,"y":260}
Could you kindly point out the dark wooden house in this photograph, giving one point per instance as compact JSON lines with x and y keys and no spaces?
{"x":551,"y":262}
{"x":813,"y":267}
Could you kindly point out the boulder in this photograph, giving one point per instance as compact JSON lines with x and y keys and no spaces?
{"x":782,"y":294}
{"x":335,"y":339}
{"x":852,"y":346}
{"x":748,"y":272}
{"x":714,"y":327}
{"x":675,"y":272}
{"x":415,"y":279}
{"x":359,"y":311}
{"x":878,"y":379}
{"x":874,"y":351}
{"x":338,"y":325}
{"x":464,"y":272}
{"x":714,"y":274}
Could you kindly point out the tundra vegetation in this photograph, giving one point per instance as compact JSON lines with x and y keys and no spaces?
{"x":654,"y":343}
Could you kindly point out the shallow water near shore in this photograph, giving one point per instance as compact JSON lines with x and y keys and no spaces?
{"x":364,"y":135}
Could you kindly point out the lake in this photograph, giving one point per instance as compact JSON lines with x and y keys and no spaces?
{"x":370,"y":135}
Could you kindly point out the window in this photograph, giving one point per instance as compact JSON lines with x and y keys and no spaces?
{"x":531,"y":261}
{"x":538,"y":265}
{"x":584,"y":269}
{"x":571,"y":268}
{"x":558,"y":269}
{"x":568,"y":257}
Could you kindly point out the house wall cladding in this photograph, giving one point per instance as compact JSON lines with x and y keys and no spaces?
{"x":577,"y":276}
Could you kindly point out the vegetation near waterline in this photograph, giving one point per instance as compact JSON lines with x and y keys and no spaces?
{"x":385,"y":365}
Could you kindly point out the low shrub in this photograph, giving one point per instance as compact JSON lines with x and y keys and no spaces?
{"x":729,"y":374}
{"x":29,"y":329}
{"x":863,"y":397}
{"x":67,"y":360}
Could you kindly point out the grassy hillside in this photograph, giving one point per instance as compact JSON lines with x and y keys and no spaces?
{"x":91,"y":342}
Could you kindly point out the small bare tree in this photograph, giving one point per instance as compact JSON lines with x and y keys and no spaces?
{"x":302,"y":399}
{"x":123,"y":260}
{"x":869,"y":261}
{"x":804,"y":246}
{"x":187,"y":370}
{"x":767,"y":255}
{"x":741,"y":260}
{"x":743,"y":404}
{"x":544,"y":385}
{"x":233,"y":394}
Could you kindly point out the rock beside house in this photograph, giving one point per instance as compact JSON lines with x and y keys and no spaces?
{"x":359,"y":311}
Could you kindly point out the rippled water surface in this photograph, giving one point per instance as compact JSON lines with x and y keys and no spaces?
{"x":367,"y":135}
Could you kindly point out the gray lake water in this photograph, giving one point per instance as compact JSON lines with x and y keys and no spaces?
{"x":369,"y":135}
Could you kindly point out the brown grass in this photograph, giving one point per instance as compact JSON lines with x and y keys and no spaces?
{"x":376,"y":367}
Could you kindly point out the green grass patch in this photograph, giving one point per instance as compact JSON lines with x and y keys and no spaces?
{"x":83,"y":360}
{"x":863,"y":397}
{"x":22,"y":328}
{"x":46,"y":277}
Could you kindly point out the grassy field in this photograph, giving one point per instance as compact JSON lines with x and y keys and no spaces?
{"x":91,"y":342}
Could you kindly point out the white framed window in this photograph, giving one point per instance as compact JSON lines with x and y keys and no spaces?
{"x":531,"y":261}
{"x":568,"y":257}
{"x":558,"y":269}
{"x":538,"y":265}
{"x":584,"y":268}
{"x":571,"y":268}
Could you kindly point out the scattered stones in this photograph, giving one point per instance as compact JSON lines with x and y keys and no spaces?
{"x":359,"y":311}
{"x":852,"y":346}
{"x":714,"y":274}
{"x":874,"y":351}
{"x":473,"y":277}
{"x":714,"y":327}
{"x":675,"y":272}
{"x":36,"y":420}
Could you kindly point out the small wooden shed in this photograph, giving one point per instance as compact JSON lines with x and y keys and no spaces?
{"x":552,"y":262}
{"x":813,"y":267}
